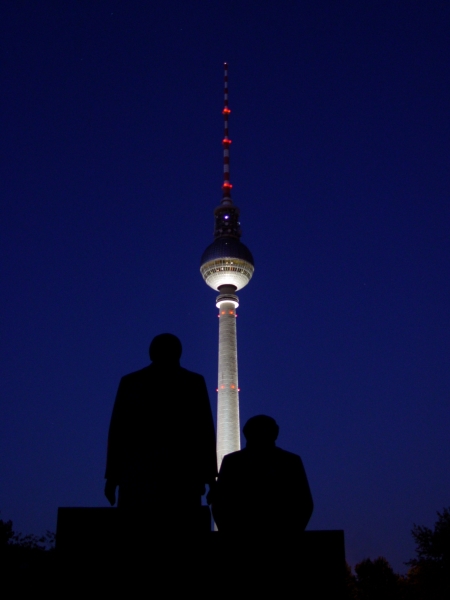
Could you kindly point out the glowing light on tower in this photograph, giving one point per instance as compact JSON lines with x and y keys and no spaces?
{"x":227,"y":266}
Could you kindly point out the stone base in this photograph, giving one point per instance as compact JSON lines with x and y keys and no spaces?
{"x":97,"y":547}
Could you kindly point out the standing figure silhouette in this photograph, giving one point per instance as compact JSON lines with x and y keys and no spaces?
{"x":161,"y":442}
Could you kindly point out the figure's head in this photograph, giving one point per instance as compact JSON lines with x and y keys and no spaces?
{"x":261,"y":430}
{"x":165,"y":348}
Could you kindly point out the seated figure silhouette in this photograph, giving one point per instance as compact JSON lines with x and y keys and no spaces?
{"x":161,"y":442}
{"x":261,"y":489}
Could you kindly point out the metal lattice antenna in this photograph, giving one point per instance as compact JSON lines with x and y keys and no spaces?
{"x":226,"y":187}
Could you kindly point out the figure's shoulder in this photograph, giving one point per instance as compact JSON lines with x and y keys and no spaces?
{"x":135,"y":375}
{"x":234,"y":457}
{"x":286,"y":456}
{"x":191,"y":374}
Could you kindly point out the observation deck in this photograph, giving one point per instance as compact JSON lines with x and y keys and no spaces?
{"x":227,"y":261}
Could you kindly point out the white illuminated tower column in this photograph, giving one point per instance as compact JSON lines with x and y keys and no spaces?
{"x":227,"y":266}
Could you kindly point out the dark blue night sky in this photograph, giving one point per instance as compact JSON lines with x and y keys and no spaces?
{"x":111,"y":168}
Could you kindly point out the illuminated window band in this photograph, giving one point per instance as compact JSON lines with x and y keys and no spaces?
{"x":227,"y":271}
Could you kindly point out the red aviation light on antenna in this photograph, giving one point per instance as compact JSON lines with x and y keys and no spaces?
{"x":226,"y":142}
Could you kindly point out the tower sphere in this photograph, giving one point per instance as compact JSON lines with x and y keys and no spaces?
{"x":227,"y":261}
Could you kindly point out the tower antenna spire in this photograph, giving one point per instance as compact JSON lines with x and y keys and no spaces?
{"x":226,"y":186}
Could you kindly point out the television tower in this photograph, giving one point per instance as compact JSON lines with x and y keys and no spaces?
{"x":227,"y":266}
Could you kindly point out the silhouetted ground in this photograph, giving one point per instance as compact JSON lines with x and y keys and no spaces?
{"x":219,"y":566}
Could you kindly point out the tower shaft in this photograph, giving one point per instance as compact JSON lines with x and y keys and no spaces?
{"x":228,"y":430}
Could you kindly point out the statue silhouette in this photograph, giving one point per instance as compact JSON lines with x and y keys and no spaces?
{"x":161,"y":442}
{"x":261,"y":489}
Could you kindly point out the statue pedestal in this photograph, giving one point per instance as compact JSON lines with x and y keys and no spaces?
{"x":104,"y":548}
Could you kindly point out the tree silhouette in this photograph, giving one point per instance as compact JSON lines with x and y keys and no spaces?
{"x":351,"y":590}
{"x":10,"y":538}
{"x":433,"y":545}
{"x":429,"y":575}
{"x":27,"y":561}
{"x":6,"y":533}
{"x":375,"y":580}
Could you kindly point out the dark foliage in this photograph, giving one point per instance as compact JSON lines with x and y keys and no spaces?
{"x":43,"y":542}
{"x":6,"y":533}
{"x":375,"y":580}
{"x":9,"y":539}
{"x":27,"y":561}
{"x":429,"y":575}
{"x":433,"y":545}
{"x":351,"y":590}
